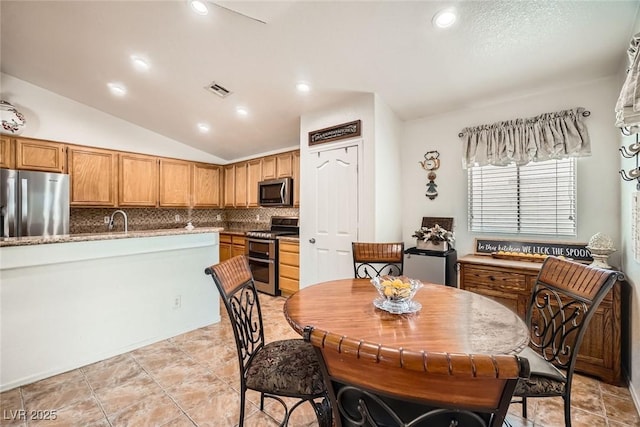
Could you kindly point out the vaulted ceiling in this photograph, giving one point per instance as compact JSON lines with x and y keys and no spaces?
{"x":495,"y":50}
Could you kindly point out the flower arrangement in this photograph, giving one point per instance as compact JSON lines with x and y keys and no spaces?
{"x":434,"y":234}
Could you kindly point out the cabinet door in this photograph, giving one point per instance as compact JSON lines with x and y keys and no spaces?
{"x":207,"y":180}
{"x":7,"y":158}
{"x":36,"y":155}
{"x":93,"y":176}
{"x":229,"y":186}
{"x":296,"y":178}
{"x":241,"y":185}
{"x":175,"y":183}
{"x":269,"y":168}
{"x":254,"y":175}
{"x":237,"y":248}
{"x":138,"y":180}
{"x":225,"y":251}
{"x":284,"y":165}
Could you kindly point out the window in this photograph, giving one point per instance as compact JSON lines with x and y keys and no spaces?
{"x":537,"y":198}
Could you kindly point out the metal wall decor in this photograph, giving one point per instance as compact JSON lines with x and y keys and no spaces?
{"x":630,"y":152}
{"x":431,"y":163}
{"x":335,"y":133}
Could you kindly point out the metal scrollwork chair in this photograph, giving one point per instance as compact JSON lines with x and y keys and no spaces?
{"x":375,"y":259}
{"x":370,"y":385}
{"x":288,"y":368}
{"x":564,"y":299}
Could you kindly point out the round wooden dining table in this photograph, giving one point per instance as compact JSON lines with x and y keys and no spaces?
{"x":450,"y":321}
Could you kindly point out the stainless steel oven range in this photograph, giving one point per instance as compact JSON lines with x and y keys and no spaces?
{"x":261,"y":249}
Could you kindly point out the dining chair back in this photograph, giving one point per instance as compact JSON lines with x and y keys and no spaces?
{"x":370,"y":385}
{"x":376,"y":259}
{"x":565,"y":297}
{"x":287,"y":368}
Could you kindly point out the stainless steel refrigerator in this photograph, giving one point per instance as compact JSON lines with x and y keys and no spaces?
{"x":33,"y":203}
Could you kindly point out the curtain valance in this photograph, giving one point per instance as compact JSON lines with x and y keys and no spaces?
{"x":628,"y":105}
{"x":548,"y":136}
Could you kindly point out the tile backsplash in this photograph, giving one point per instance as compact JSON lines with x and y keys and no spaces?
{"x":91,"y":220}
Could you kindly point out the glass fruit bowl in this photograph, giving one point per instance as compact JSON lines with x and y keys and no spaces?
{"x":396,"y":294}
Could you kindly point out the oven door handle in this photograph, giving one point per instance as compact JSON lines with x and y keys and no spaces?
{"x":253,"y":239}
{"x":270,"y":261}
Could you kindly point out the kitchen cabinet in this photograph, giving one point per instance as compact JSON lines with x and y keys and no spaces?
{"x":295,"y":173}
{"x":93,"y":175}
{"x":511,"y":283}
{"x":289,"y":267}
{"x":269,"y":168}
{"x":231,"y":245}
{"x":175,"y":183}
{"x":207,"y":185}
{"x":39,"y":155}
{"x":241,"y":185}
{"x":254,"y":176}
{"x":7,"y":153}
{"x":137,"y":180}
{"x":229,"y":186}
{"x":284,"y":166}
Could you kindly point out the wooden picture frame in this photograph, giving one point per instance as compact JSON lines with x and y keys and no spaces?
{"x":335,"y":133}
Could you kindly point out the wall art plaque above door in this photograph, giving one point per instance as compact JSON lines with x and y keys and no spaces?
{"x":335,"y":133}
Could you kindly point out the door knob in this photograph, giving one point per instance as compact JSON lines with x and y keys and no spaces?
{"x":312,"y":240}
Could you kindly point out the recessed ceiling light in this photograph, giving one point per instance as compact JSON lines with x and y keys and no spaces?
{"x":242,"y":111}
{"x":139,"y":63}
{"x":117,"y":89}
{"x":444,"y":18}
{"x":303,"y":87}
{"x":199,"y":7}
{"x":203,"y":127}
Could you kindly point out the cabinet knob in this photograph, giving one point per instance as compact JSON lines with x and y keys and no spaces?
{"x":312,"y":240}
{"x":492,"y":278}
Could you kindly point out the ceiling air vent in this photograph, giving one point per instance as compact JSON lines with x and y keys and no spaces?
{"x":221,"y":91}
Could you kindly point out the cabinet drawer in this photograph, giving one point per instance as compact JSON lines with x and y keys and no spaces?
{"x":495,"y":279}
{"x":289,"y":285}
{"x":225,"y":238}
{"x":289,"y":258}
{"x":289,"y":247}
{"x":289,"y":271}
{"x":237,"y":240}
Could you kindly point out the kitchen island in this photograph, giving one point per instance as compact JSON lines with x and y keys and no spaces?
{"x":69,"y":301}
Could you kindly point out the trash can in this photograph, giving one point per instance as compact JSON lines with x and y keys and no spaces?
{"x":431,"y":266}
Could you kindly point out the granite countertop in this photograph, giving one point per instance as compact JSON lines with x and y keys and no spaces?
{"x":289,"y":238}
{"x":39,"y":240}
{"x":233,"y":231}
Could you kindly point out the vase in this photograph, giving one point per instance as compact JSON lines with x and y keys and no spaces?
{"x":432,"y":245}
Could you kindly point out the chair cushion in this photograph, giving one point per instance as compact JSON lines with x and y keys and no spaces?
{"x":545,"y":379}
{"x":287,"y":367}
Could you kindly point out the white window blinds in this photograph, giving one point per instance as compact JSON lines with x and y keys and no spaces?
{"x":536,"y":198}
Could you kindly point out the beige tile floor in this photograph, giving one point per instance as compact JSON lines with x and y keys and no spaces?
{"x":192,"y":380}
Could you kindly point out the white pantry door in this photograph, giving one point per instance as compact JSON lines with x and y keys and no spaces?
{"x":335,"y":214}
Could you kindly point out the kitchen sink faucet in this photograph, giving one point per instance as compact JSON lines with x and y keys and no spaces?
{"x":124,"y":215}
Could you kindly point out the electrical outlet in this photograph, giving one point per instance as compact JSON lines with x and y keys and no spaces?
{"x":218,"y":217}
{"x":107,"y":220}
{"x":177,"y":301}
{"x":257,"y":217}
{"x":177,"y":218}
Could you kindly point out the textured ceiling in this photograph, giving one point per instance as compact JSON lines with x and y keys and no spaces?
{"x":496,"y":49}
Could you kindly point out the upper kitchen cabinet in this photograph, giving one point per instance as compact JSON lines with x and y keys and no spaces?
{"x":7,"y":157}
{"x":37,"y":155}
{"x":254,"y":176}
{"x":138,"y":180}
{"x":229,"y":186}
{"x":175,"y":183}
{"x":296,"y":178}
{"x":241,"y":185}
{"x":284,"y":166}
{"x":93,"y":175}
{"x":207,"y":185}
{"x":269,"y":168}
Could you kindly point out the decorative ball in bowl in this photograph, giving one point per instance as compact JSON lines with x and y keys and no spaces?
{"x":396,"y":293}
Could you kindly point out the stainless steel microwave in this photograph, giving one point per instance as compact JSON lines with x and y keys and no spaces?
{"x":276,"y":192}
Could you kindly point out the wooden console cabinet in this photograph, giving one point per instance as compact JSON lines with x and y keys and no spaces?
{"x":511,"y":283}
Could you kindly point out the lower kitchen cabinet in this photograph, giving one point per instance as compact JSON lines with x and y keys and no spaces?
{"x":511,"y":283}
{"x":289,"y":267}
{"x":230,"y":245}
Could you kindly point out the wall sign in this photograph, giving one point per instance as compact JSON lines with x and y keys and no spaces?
{"x":576,"y":251}
{"x":335,"y":133}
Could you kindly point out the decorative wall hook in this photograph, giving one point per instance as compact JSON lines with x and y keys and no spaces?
{"x":431,"y":163}
{"x":630,"y":152}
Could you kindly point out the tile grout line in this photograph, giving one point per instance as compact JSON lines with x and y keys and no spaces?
{"x":95,"y":396}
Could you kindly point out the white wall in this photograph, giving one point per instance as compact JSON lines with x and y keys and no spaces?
{"x":54,"y":117}
{"x":598,"y":181}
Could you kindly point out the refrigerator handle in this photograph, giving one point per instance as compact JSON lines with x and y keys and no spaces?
{"x":24,"y":208}
{"x":9,"y":211}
